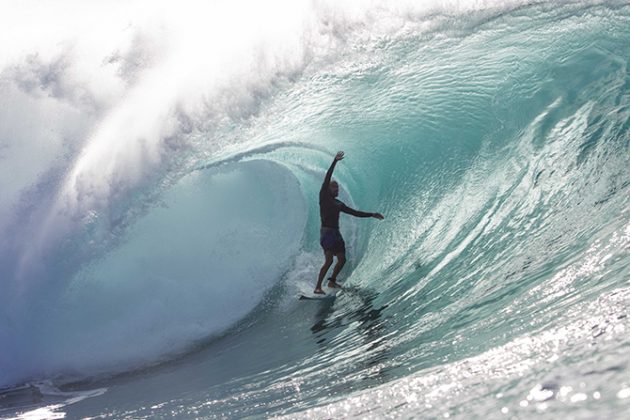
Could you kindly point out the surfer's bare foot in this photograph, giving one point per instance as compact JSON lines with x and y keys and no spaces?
{"x":319,"y":292}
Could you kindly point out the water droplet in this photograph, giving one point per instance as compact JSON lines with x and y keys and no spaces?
{"x":623,"y":393}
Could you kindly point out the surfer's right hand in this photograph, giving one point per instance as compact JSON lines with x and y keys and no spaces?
{"x":339,"y":156}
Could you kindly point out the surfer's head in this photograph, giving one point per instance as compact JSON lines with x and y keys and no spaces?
{"x":334,"y":188}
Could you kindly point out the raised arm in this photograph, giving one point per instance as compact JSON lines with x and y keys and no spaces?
{"x":338,"y":157}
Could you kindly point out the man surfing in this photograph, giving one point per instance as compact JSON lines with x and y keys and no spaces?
{"x":330,"y":237}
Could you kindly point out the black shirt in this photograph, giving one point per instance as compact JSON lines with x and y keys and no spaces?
{"x":330,"y":207}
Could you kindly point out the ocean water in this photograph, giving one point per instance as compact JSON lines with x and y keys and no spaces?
{"x":159,"y":173}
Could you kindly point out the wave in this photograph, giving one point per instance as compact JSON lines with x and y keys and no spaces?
{"x":168,"y":181}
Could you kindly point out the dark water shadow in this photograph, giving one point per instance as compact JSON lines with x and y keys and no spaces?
{"x":356,"y":306}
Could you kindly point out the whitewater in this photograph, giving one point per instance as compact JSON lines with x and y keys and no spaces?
{"x":160,"y":165}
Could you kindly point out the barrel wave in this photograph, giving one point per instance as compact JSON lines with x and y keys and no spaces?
{"x":159,"y":213}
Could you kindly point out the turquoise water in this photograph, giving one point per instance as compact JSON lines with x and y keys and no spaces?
{"x":160,"y":213}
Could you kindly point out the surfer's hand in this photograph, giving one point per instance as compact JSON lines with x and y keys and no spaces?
{"x":339,"y":156}
{"x":378,"y":216}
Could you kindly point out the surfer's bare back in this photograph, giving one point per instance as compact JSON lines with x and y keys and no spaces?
{"x":330,"y":237}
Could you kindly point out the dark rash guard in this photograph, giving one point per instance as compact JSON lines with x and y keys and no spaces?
{"x":330,"y":207}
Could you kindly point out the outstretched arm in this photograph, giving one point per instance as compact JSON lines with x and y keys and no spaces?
{"x":359,"y":213}
{"x":338,"y":157}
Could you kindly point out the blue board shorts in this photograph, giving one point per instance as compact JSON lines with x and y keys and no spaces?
{"x":331,"y":240}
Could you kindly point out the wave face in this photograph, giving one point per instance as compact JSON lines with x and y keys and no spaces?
{"x":159,"y":186}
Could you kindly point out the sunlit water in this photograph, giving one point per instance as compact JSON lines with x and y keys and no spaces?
{"x":159,"y":176}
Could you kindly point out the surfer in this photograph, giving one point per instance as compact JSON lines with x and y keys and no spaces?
{"x":330,"y":237}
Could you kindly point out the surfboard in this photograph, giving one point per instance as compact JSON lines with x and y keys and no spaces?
{"x":313,"y":296}
{"x":330,"y":294}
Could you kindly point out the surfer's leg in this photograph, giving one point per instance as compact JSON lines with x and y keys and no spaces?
{"x":341,"y":260}
{"x":322,"y":272}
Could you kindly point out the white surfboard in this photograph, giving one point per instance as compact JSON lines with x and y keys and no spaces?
{"x":331,"y":293}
